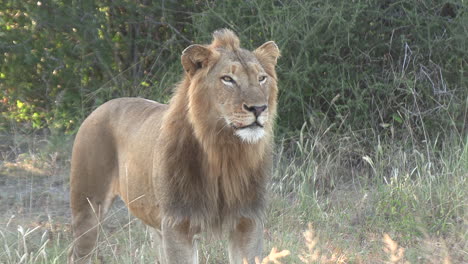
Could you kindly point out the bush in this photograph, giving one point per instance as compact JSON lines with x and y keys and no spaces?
{"x":379,"y":65}
{"x":63,"y":60}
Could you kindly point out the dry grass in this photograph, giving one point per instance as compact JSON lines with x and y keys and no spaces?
{"x":396,"y":254}
{"x":352,"y":195}
{"x":314,"y":255}
{"x":393,"y":253}
{"x":47,"y":250}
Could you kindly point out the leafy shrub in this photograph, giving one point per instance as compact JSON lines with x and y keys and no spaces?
{"x":62,"y":59}
{"x":359,"y":64}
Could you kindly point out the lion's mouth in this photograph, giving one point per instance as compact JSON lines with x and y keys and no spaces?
{"x":251,"y":133}
{"x":254,"y":124}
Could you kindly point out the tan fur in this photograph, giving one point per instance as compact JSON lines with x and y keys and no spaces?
{"x":197,"y":164}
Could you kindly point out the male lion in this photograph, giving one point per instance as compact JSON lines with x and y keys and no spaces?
{"x":200,"y":163}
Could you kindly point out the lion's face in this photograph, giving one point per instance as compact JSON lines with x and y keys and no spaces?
{"x":240,"y":84}
{"x":242,"y":89}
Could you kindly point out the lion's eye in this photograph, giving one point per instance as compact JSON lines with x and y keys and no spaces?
{"x":262,"y":79}
{"x":227,"y":80}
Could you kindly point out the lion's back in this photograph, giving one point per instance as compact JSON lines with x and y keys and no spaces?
{"x":112,"y":132}
{"x":125,"y":117}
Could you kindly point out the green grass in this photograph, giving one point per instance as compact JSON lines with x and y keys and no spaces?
{"x":417,"y":196}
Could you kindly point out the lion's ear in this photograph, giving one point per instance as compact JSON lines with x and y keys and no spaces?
{"x":195,"y":57}
{"x":268,"y":52}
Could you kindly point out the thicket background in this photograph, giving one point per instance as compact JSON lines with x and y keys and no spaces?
{"x":386,"y":63}
{"x":369,"y":90}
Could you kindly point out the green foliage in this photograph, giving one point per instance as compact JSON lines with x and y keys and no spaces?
{"x":383,"y":65}
{"x":385,"y":62}
{"x":61,"y":60}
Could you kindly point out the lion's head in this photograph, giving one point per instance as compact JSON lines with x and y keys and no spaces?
{"x":232,"y":90}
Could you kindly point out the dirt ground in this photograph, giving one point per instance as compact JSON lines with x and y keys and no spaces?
{"x":33,"y":197}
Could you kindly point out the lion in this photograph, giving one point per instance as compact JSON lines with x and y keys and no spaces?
{"x":199,"y":164}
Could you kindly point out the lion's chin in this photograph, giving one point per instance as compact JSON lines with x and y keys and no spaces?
{"x":250,"y":134}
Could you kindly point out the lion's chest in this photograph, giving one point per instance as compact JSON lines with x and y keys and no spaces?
{"x":211,"y":196}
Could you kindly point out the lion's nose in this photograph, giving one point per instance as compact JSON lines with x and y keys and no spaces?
{"x":257,"y":110}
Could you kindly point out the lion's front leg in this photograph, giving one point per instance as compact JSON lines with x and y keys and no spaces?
{"x":179,"y":245}
{"x":246,"y":241}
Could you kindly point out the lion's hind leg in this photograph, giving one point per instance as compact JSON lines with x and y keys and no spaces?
{"x":86,"y":226}
{"x":85,"y":232}
{"x":93,"y":185}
